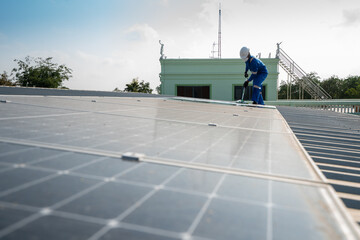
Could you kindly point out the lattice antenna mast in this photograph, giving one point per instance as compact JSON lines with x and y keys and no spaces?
{"x":219,"y":33}
{"x":213,"y":51}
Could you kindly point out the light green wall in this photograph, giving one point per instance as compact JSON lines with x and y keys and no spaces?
{"x":220,"y":74}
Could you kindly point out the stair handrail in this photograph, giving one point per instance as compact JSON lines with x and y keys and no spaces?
{"x":294,"y":67}
{"x":308,"y":83}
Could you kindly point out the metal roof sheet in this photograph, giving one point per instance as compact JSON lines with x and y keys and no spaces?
{"x":333,"y":141}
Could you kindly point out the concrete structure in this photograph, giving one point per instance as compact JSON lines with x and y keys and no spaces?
{"x":219,"y":79}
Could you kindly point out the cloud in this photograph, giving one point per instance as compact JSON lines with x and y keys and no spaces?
{"x":209,"y":11}
{"x":95,"y":72}
{"x":141,"y":32}
{"x":351,"y":17}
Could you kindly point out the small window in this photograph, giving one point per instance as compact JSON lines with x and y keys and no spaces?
{"x":194,"y":91}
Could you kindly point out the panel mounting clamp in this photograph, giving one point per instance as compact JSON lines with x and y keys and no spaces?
{"x":131,"y":156}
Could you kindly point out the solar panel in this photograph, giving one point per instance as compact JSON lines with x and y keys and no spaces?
{"x":246,"y":177}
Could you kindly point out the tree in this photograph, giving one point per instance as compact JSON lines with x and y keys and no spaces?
{"x":43,"y":73}
{"x":158,"y":89}
{"x":136,"y":86}
{"x":342,"y":88}
{"x":293,"y":87}
{"x":351,"y":87}
{"x":333,"y":86}
{"x":5,"y":80}
{"x":282,"y":91}
{"x":299,"y":85}
{"x":337,"y":88}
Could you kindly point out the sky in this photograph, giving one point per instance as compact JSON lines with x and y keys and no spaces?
{"x":107,"y":43}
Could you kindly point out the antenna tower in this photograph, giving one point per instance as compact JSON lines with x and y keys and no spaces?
{"x":219,"y":33}
{"x":213,"y":51}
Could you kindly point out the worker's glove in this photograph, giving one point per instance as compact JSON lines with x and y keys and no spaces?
{"x":246,"y":74}
{"x":246,"y":83}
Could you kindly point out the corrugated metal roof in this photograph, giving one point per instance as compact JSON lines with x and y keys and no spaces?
{"x":333,"y":142}
{"x":195,"y":171}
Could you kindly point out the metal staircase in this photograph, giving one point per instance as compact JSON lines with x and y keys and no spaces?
{"x":295,"y":72}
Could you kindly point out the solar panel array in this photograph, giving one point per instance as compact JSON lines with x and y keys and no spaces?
{"x":206,"y":171}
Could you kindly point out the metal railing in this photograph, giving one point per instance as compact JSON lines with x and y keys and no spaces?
{"x":297,"y":73}
{"x":336,"y":105}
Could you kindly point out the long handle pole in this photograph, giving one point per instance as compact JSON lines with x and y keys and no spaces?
{"x":243,"y":92}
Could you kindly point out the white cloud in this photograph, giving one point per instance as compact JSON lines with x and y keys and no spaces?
{"x":90,"y":71}
{"x":351,"y":17}
{"x":209,"y":11}
{"x":142,"y":32}
{"x":100,"y":72}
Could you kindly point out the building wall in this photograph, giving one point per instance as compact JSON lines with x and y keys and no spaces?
{"x":221,"y":74}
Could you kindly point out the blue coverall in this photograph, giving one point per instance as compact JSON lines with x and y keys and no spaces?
{"x":258,"y":74}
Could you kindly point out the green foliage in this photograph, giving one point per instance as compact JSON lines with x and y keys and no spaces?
{"x":314,"y":77}
{"x":342,"y":88}
{"x":5,"y":80}
{"x":136,"y":86}
{"x":336,"y":87}
{"x":158,"y":89}
{"x":284,"y":90}
{"x":351,"y":86}
{"x":43,"y":73}
{"x":333,"y":86}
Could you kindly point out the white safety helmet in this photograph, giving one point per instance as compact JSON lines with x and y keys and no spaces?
{"x":244,"y":52}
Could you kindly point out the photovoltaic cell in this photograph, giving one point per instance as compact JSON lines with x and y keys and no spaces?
{"x":107,"y":201}
{"x":167,"y":210}
{"x":52,"y":227}
{"x":51,"y":191}
{"x":18,"y":176}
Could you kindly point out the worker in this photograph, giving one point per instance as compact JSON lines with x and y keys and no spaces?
{"x":258,"y":74}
